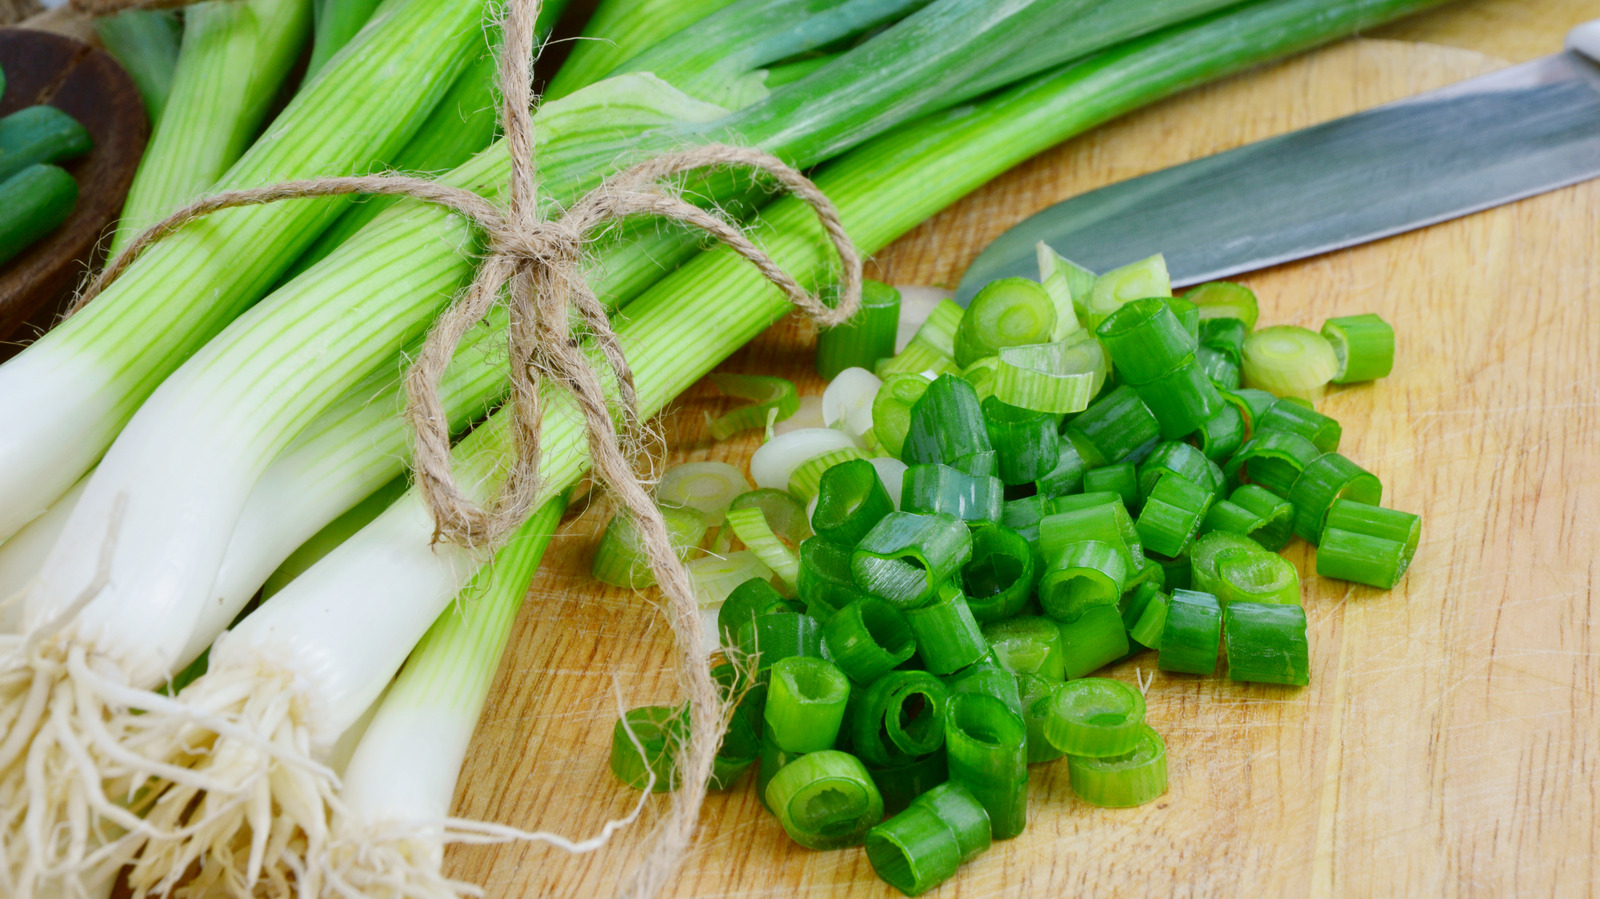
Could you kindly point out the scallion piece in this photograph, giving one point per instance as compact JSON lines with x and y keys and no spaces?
{"x":1188,"y":315}
{"x":1191,"y":633}
{"x":988,"y":677}
{"x":1035,"y":693}
{"x":1222,"y":434}
{"x":901,"y":784}
{"x":749,"y":600}
{"x":1364,"y":346}
{"x":947,"y":427}
{"x":1133,"y":602}
{"x":867,"y":337}
{"x":775,"y":462}
{"x":780,"y":635}
{"x":1207,"y":553}
{"x":1006,"y":312}
{"x":1027,"y":444}
{"x":1059,"y":377}
{"x":741,"y":743}
{"x":1288,"y":360}
{"x":1258,"y":576}
{"x":1186,"y":461}
{"x":619,"y":559}
{"x":1090,"y":516}
{"x":1288,"y":415}
{"x":1067,"y":475}
{"x":899,"y":718}
{"x":1273,"y":459}
{"x":932,"y":489}
{"x":1146,"y":340}
{"x":905,"y":556}
{"x":867,"y":639}
{"x":1224,"y":335}
{"x":765,"y":393}
{"x":1367,"y":544}
{"x":948,"y":637}
{"x":716,"y":577}
{"x":1225,"y":299}
{"x":1226,"y":515}
{"x":1095,"y":716}
{"x":770,"y":761}
{"x":961,"y":811}
{"x":1275,"y":512}
{"x":805,"y":703}
{"x":1176,"y":573}
{"x":1267,"y":643}
{"x":891,"y":409}
{"x":825,"y":584}
{"x":1095,"y":640}
{"x":998,"y":578}
{"x":1134,"y":281}
{"x":806,"y":479}
{"x":1223,"y":372}
{"x":847,"y":402}
{"x":1121,"y":479}
{"x":851,"y":500}
{"x":986,"y":744}
{"x":1122,"y":781}
{"x":940,"y":328}
{"x":825,"y":800}
{"x":917,"y":358}
{"x":1252,"y":405}
{"x":657,"y":730}
{"x":1027,"y":645}
{"x":913,"y":851}
{"x":1328,"y":478}
{"x":708,"y":487}
{"x":1023,"y":515}
{"x":750,"y":525}
{"x":1085,"y":574}
{"x":1182,"y":400}
{"x":786,"y":516}
{"x":1068,"y":284}
{"x":1172,"y":514}
{"x":1152,"y":621}
{"x":1116,"y":425}
{"x":981,"y":375}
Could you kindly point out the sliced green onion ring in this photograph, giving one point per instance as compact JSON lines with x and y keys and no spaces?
{"x":716,"y":577}
{"x":1273,"y":459}
{"x":899,"y":718}
{"x":1287,"y":415}
{"x":998,"y":577}
{"x":1005,"y":312}
{"x":1086,"y":574}
{"x":1145,"y":339}
{"x":1287,"y":360}
{"x":750,"y":526}
{"x":987,"y":752}
{"x":1191,"y":633}
{"x":1275,"y":512}
{"x":905,"y":556}
{"x":1225,"y":299}
{"x":868,"y":638}
{"x":774,"y":462}
{"x":847,"y":401}
{"x":706,"y":486}
{"x":620,"y":559}
{"x":1367,"y":544}
{"x":1136,"y":280}
{"x":764,"y":393}
{"x":825,"y":800}
{"x":1260,"y":577}
{"x":1267,"y":643}
{"x":1122,"y":781}
{"x":805,"y":703}
{"x":1058,"y":378}
{"x":1329,"y":477}
{"x":1095,"y":640}
{"x":1364,"y":346}
{"x":1095,"y":716}
{"x":1069,"y":286}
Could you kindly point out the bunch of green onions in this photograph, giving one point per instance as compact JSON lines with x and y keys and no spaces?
{"x":181,"y":436}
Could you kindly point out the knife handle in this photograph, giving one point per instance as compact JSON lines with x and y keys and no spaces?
{"x":1585,"y":39}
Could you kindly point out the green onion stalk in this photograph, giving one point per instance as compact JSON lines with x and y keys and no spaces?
{"x":146,"y":43}
{"x":233,"y":62}
{"x":337,"y":21}
{"x":617,"y":31}
{"x":388,"y":572}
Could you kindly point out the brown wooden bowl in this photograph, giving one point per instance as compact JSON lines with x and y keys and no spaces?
{"x":89,"y":85}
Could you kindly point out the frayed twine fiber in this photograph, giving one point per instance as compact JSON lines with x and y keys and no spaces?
{"x":541,"y":262}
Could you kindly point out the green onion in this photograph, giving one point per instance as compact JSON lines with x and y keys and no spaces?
{"x":1176,"y":573}
{"x":1267,"y":643}
{"x":658,"y":730}
{"x":1367,"y":544}
{"x":805,"y":703}
{"x":146,"y":43}
{"x":1290,"y":416}
{"x":1068,"y":474}
{"x":988,"y":755}
{"x":707,"y":487}
{"x":1086,"y":574}
{"x":961,"y":811}
{"x":1218,"y":368}
{"x":851,"y":500}
{"x":1023,"y":515}
{"x":1182,"y":400}
{"x":1146,"y":631}
{"x":948,"y":637}
{"x":1134,"y":281}
{"x":1095,"y":640}
{"x":618,"y":31}
{"x":1190,"y":635}
{"x":918,"y":358}
{"x":1058,"y":377}
{"x":1225,"y":515}
{"x":867,"y":639}
{"x":947,"y":427}
{"x":1207,"y":553}
{"x":1117,"y":425}
{"x":825,"y":800}
{"x":922,"y":847}
{"x":1327,"y":478}
{"x":780,"y":635}
{"x":902,"y":784}
{"x":1146,"y":340}
{"x":981,"y":375}
{"x":1224,"y":336}
{"x":987,"y":677}
{"x":891,"y":409}
{"x":1171,"y":515}
{"x":1221,"y":434}
{"x":1026,"y":443}
{"x":716,"y":577}
{"x":337,"y":21}
{"x":1181,"y":459}
{"x":745,"y":603}
{"x":619,"y":559}
{"x":899,"y":718}
{"x":867,"y":337}
{"x":1188,"y":315}
{"x":1027,"y":645}
{"x":1252,"y":405}
{"x":1275,"y":513}
{"x":1007,"y":312}
{"x":847,"y":403}
{"x":765,"y":393}
{"x":906,"y":556}
{"x":1260,"y":576}
{"x":1122,"y":781}
{"x":1095,"y":716}
{"x":825,"y":584}
{"x":1224,"y":299}
{"x":998,"y":578}
{"x":1273,"y":459}
{"x":942,"y":325}
{"x":750,"y":526}
{"x":1035,"y":693}
{"x":1091,"y":516}
{"x":1069,"y":285}
{"x":1364,"y":346}
{"x":806,"y":479}
{"x":1121,"y":479}
{"x":933,"y":489}
{"x":771,"y":759}
{"x":1289,"y":361}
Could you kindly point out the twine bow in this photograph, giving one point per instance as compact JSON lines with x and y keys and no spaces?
{"x":540,"y":261}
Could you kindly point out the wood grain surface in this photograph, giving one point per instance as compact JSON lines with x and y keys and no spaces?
{"x":1449,"y":742}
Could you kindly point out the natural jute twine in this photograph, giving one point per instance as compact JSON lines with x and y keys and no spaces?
{"x":542,"y":262}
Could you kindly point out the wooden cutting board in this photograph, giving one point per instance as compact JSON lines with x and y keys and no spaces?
{"x":1449,"y":742}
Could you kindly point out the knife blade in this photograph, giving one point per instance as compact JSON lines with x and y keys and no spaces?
{"x":1511,"y":134}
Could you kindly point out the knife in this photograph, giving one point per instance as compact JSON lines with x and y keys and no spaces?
{"x":1490,"y":140}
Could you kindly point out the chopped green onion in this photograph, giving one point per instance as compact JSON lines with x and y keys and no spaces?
{"x":1091,"y":516}
{"x":1146,"y":340}
{"x":981,"y":375}
{"x":988,"y":677}
{"x":741,"y":743}
{"x":750,"y":525}
{"x":769,"y":762}
{"x":1273,"y":459}
{"x":1181,"y":400}
{"x":1181,"y":459}
{"x":1023,"y":515}
{"x":658,"y":729}
{"x":1027,"y":444}
{"x":805,"y":703}
{"x":948,"y":637}
{"x":918,"y":358}
{"x":899,"y":718}
{"x":751,"y":599}
{"x":1288,"y":415}
{"x":716,"y":577}
{"x":764,"y":392}
{"x":1252,"y":405}
{"x":1006,"y":312}
{"x":907,"y":555}
{"x":867,"y":337}
{"x":807,"y":476}
{"x":1225,"y":337}
{"x":1207,"y":553}
{"x":1086,"y":574}
{"x":1222,"y":371}
{"x":961,"y":811}
{"x":1095,"y":716}
{"x":774,"y":463}
{"x":867,"y":639}
{"x":1134,"y":600}
{"x":1225,"y":299}
{"x":1152,"y":621}
{"x":780,"y":635}
{"x":1122,"y":781}
{"x":932,"y":489}
{"x":851,"y":500}
{"x":825,"y":800}
{"x":1188,"y":315}
{"x":1287,"y":360}
{"x":1329,"y":477}
{"x":620,"y":560}
{"x":1134,"y":281}
{"x":786,"y":516}
{"x":902,"y":784}
{"x":1176,"y":573}
{"x":1221,"y":434}
{"x":847,"y":402}
{"x":1258,"y":576}
{"x":1191,"y":633}
{"x":914,"y":851}
{"x":1067,"y":475}
{"x":708,"y":487}
{"x":987,"y":752}
{"x":947,"y":427}
{"x":998,"y":578}
{"x":1364,"y":346}
{"x":1027,"y":645}
{"x":1225,"y":515}
{"x":1121,"y":479}
{"x":1068,"y":284}
{"x":1172,"y":514}
{"x":1267,"y":643}
{"x":1058,"y":377}
{"x":1367,"y":544}
{"x":825,"y":583}
{"x":1035,"y":693}
{"x":1275,"y":512}
{"x":1116,"y":425}
{"x":942,"y":325}
{"x":891,"y":409}
{"x":1095,"y":640}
